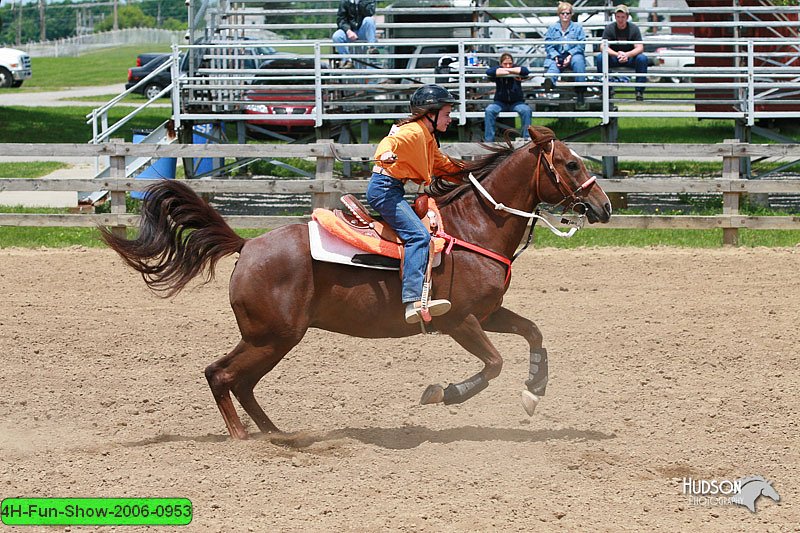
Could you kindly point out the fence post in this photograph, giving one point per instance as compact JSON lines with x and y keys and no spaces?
{"x":327,"y":200}
{"x":730,"y":198}
{"x":117,"y":164}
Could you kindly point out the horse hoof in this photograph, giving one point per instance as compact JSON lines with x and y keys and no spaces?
{"x":529,"y":401}
{"x":433,"y":394}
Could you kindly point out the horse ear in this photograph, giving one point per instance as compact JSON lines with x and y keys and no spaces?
{"x":540,"y":134}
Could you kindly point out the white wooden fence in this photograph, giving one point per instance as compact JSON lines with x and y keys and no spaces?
{"x":325,"y":189}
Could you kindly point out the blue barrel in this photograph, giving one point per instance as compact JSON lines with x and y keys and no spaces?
{"x":201,"y":135}
{"x":160,"y":168}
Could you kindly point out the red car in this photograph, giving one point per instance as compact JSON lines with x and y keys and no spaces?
{"x":283,"y":94}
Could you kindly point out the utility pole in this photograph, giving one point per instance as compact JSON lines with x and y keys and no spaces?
{"x":19,"y":22}
{"x":42,"y":23}
{"x":116,"y":18}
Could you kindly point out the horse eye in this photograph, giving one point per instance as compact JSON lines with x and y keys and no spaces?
{"x":572,"y":166}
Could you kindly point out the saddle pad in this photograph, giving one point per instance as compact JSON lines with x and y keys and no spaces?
{"x":328,"y":248}
{"x":339,"y":228}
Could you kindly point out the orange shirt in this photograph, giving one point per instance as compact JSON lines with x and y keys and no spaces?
{"x":418,"y":157}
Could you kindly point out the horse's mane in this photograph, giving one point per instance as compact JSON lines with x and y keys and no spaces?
{"x":446,"y":191}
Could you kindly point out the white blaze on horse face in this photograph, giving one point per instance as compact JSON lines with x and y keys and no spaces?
{"x":575,"y":154}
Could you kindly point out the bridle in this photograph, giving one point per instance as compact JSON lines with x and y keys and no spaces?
{"x":572,"y":199}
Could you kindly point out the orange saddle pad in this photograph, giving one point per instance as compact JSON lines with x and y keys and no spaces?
{"x":374,"y":245}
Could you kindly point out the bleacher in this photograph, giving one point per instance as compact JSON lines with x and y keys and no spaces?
{"x":747,"y":71}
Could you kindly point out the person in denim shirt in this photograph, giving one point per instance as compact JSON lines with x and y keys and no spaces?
{"x":507,"y":97}
{"x":562,"y":56}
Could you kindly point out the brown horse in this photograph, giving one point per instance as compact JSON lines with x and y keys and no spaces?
{"x":277,"y":291}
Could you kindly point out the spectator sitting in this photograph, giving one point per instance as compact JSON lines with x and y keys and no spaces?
{"x":356,"y":21}
{"x":625,"y":54}
{"x":562,"y":56}
{"x":507,"y":97}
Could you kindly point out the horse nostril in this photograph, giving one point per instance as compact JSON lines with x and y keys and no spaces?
{"x":607,"y":208}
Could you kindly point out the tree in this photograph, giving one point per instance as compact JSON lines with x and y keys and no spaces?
{"x":129,"y":16}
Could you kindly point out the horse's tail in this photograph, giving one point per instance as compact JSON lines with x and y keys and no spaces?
{"x":180,"y":236}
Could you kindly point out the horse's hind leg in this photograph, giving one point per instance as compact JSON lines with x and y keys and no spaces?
{"x":470,"y":335}
{"x":505,"y":321}
{"x":239,"y":372}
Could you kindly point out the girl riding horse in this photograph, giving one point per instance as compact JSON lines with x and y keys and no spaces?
{"x":411,"y":153}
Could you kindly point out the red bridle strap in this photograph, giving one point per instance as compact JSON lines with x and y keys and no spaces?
{"x":453,"y":241}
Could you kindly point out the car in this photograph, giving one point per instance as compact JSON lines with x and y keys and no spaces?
{"x":157,"y":83}
{"x":674,"y":58}
{"x":143,"y":59}
{"x":281,"y":93}
{"x":161,"y":80}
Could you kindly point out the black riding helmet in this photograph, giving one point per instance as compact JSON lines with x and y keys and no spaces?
{"x":430,"y":98}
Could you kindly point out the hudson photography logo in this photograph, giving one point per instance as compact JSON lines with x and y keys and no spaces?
{"x":744,"y":491}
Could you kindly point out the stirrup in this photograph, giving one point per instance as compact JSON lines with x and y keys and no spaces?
{"x":435,"y":308}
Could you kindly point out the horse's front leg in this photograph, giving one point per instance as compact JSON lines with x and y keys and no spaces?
{"x":470,"y":335}
{"x":505,"y":321}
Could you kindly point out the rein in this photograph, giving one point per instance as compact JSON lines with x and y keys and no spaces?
{"x":453,"y":241}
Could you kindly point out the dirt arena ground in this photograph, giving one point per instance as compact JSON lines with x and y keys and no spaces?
{"x":665,"y":364}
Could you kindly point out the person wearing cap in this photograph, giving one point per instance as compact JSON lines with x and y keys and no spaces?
{"x":625,"y":54}
{"x":508,"y":96}
{"x":411,"y":153}
{"x":565,"y":56}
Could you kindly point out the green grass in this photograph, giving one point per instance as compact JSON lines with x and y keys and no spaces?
{"x":683,"y":238}
{"x":34,"y":169}
{"x":130,"y":99}
{"x":68,"y":124}
{"x":649,"y":130}
{"x":100,"y":67}
{"x":35,"y":237}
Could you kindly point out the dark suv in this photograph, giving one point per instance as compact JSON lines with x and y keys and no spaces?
{"x":156,"y":84}
{"x":161,"y":80}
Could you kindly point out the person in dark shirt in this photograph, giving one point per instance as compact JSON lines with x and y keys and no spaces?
{"x":625,"y":54}
{"x":507,"y":97}
{"x":355,"y":21}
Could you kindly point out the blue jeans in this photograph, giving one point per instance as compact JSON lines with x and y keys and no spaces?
{"x":494,"y":109}
{"x":577,"y":64}
{"x":385,"y":195}
{"x":639,"y":65}
{"x":365,"y":33}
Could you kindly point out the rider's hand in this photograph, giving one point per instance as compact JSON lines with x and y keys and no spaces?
{"x":388,"y":157}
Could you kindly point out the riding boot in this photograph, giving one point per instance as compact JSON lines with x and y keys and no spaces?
{"x":435,"y":308}
{"x":426,"y":308}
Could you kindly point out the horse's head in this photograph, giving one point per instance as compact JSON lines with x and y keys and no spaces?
{"x":769,"y":491}
{"x":562,"y":178}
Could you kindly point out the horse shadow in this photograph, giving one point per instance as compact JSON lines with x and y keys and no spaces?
{"x":398,"y":438}
{"x":168,"y":437}
{"x":409,"y":437}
